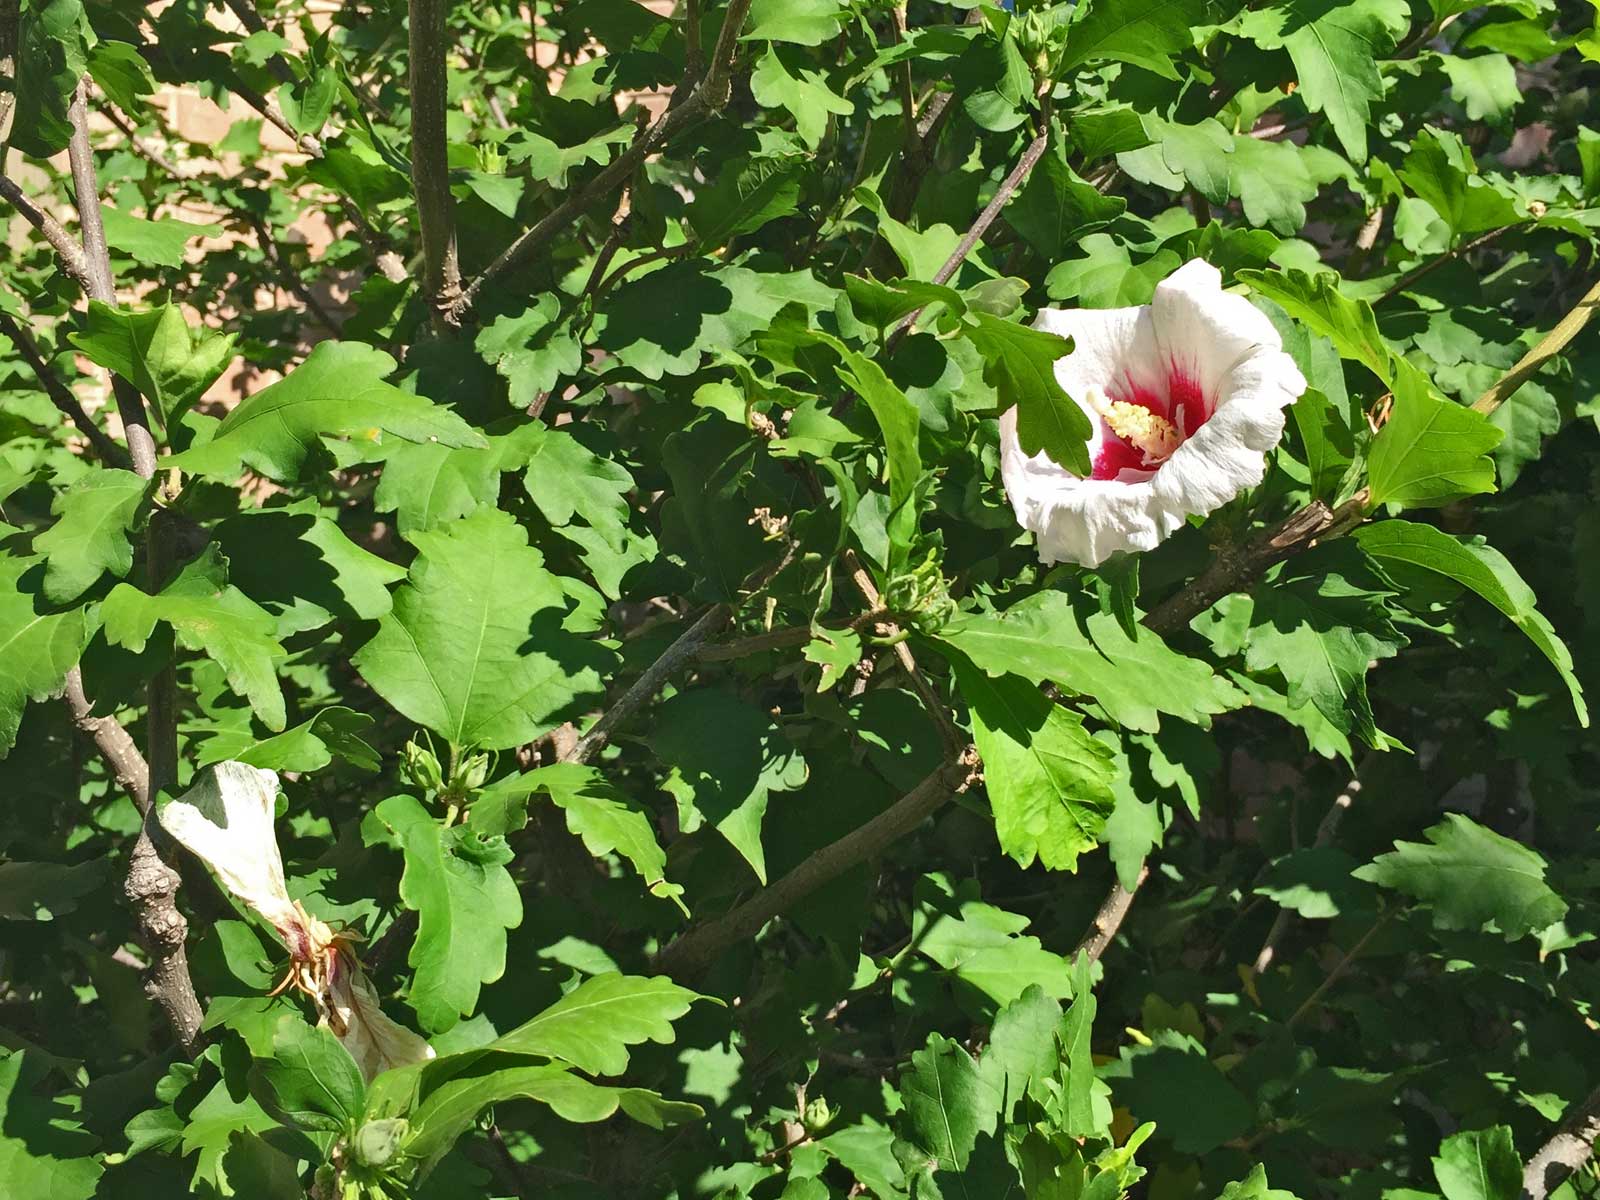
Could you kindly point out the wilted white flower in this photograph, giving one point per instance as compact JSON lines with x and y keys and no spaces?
{"x":225,"y":820}
{"x":1184,"y":395}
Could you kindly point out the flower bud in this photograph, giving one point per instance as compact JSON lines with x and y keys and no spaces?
{"x":422,"y":768}
{"x":378,"y":1142}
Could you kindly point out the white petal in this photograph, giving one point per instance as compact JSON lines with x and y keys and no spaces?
{"x":1228,"y":347}
{"x":1204,"y":330}
{"x":225,"y":820}
{"x":352,"y":1011}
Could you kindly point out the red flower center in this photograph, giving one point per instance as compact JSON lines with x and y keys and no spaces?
{"x":1178,"y":401}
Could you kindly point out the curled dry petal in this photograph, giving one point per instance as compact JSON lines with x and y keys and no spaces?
{"x":1185,"y":397}
{"x":226,"y":821}
{"x":350,"y":1008}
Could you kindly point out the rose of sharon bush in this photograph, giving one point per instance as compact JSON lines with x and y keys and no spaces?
{"x":225,"y":820}
{"x":1185,"y":396}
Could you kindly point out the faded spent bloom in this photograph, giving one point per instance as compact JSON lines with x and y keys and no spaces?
{"x":1185,"y":396}
{"x":225,"y":820}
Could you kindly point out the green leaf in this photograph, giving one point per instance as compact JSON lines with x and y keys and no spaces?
{"x":593,"y":1025}
{"x":727,"y":780}
{"x":1440,"y":169}
{"x":155,"y":350}
{"x":450,"y":1109}
{"x":158,"y":243}
{"x":309,"y":746}
{"x":120,"y":71}
{"x":91,"y":536}
{"x":1083,"y":1116}
{"x":36,"y":649}
{"x":1335,"y":52}
{"x":1040,"y":638}
{"x":1321,"y":631}
{"x":1471,"y":876}
{"x":1525,"y":418}
{"x":800,"y":91}
{"x":1254,"y":1187}
{"x":1479,"y":1164}
{"x":1484,"y":85}
{"x":1482,"y":569}
{"x":595,"y":811}
{"x":44,"y":891}
{"x":301,"y":567}
{"x":1431,"y":450}
{"x":742,"y":201}
{"x":307,"y":103}
{"x":805,"y":22}
{"x":948,"y":1102}
{"x":1021,"y":1053}
{"x":465,"y":900}
{"x":1049,"y":781}
{"x":426,"y":485}
{"x":311,"y":1080}
{"x":1020,"y":363}
{"x":1276,"y":180}
{"x":897,"y":418}
{"x":1316,"y":302}
{"x":43,"y":1151}
{"x":549,"y":162}
{"x":338,"y":392}
{"x":531,"y":349}
{"x":479,"y":646}
{"x":836,"y":651}
{"x":1056,"y":208}
{"x":208,"y":614}
{"x":50,"y":60}
{"x":982,"y":945}
{"x":1172,"y":1082}
{"x":1147,"y":33}
{"x":565,"y":479}
{"x":1315,"y":881}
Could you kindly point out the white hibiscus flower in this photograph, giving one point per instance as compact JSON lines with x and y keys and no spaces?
{"x":1185,"y":396}
{"x":225,"y":820}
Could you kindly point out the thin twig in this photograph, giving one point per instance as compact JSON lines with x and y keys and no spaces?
{"x":696,"y":949}
{"x":1109,"y":917}
{"x":1552,"y":344}
{"x":949,"y":735}
{"x":1325,"y":832}
{"x":1567,"y":1151}
{"x":1343,"y":965}
{"x":1008,"y":187}
{"x":61,"y":395}
{"x":68,"y":252}
{"x":1433,"y":264}
{"x":116,"y":745}
{"x":709,"y":96}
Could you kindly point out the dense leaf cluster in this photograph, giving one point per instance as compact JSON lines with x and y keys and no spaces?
{"x":597,"y":525}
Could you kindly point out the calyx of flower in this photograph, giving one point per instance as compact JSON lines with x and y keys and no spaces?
{"x":225,"y":819}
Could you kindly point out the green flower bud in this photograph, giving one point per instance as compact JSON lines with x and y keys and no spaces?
{"x":378,"y":1142}
{"x":422,"y":768}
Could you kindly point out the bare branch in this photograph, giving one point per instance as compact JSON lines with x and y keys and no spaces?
{"x":430,"y":170}
{"x":1008,"y":188}
{"x":1567,"y":1151}
{"x":61,"y":395}
{"x":115,"y":744}
{"x":1552,"y":344}
{"x":1108,"y":919}
{"x":68,"y":252}
{"x":683,"y":650}
{"x":709,"y":96}
{"x":695,"y":950}
{"x":1325,"y":832}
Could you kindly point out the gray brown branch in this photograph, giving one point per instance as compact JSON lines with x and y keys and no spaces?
{"x":1325,"y":833}
{"x":430,"y":169}
{"x":1108,"y":920}
{"x":1568,"y":1150}
{"x":105,"y":449}
{"x":698,"y":948}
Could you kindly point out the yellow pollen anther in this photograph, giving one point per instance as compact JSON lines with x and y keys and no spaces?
{"x":1142,"y":429}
